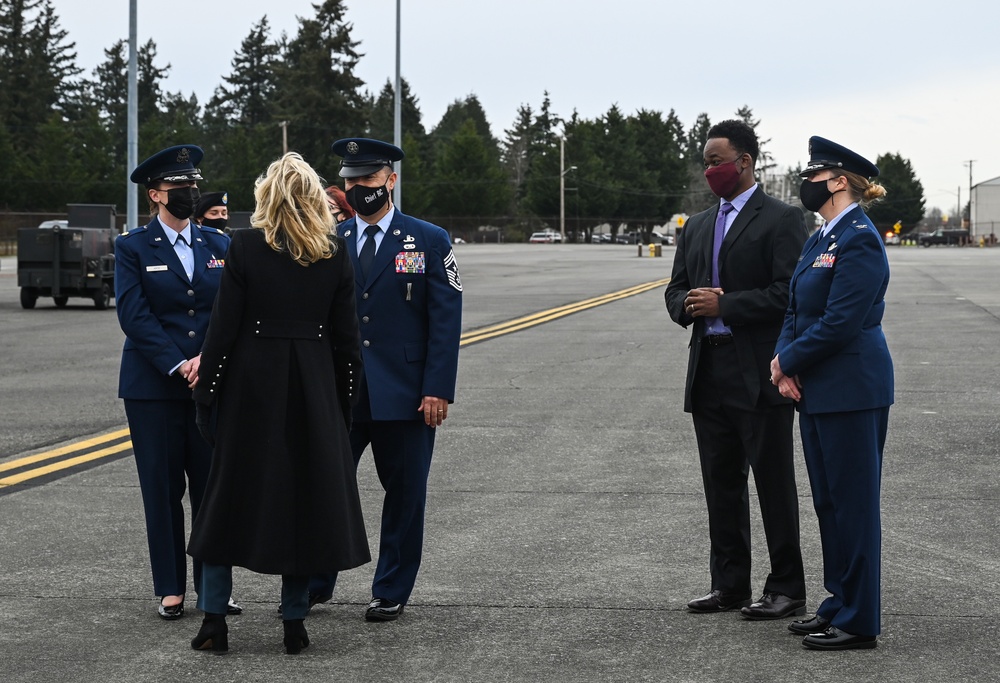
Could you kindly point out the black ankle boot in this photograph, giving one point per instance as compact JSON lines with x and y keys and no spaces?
{"x":296,"y":638}
{"x":214,"y":634}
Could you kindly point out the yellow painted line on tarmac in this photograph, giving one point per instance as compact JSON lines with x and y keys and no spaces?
{"x":55,"y":453}
{"x":527,"y":321}
{"x":63,"y":464}
{"x":470,"y":337}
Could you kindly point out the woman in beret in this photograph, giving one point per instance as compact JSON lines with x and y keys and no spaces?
{"x":832,"y":359}
{"x":278,"y":371}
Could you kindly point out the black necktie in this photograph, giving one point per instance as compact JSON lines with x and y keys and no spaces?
{"x":367,"y":254}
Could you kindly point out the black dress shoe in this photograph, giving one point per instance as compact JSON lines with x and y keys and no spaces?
{"x":380,"y":609}
{"x":172,"y":612}
{"x":232,"y":608}
{"x":804,"y":627}
{"x":835,"y":639}
{"x":774,"y":606}
{"x":717,"y":601}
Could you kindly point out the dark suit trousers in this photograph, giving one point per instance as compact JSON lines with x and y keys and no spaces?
{"x":167,"y":445}
{"x":844,"y":458}
{"x":731,"y":439}
{"x":402,"y":452}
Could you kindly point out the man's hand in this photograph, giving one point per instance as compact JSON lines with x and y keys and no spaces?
{"x":703,"y":302}
{"x":435,"y":410}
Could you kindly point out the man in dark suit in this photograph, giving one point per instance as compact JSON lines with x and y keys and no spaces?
{"x":409,"y":301}
{"x":730,"y":281}
{"x":167,"y":274}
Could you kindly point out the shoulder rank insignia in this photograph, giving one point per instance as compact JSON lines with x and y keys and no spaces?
{"x":451,"y":270}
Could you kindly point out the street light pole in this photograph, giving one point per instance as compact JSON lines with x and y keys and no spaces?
{"x":562,"y":187}
{"x":969,"y":164}
{"x":397,"y":119}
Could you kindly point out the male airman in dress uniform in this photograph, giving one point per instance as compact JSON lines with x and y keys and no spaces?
{"x":409,"y":304}
{"x":166,"y":276}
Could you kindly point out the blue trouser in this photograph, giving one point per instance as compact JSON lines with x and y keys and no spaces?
{"x":167,"y":445}
{"x":402,"y":454}
{"x":843,"y":454}
{"x":217,"y":586}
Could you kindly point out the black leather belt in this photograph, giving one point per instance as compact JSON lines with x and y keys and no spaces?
{"x":717,"y":339}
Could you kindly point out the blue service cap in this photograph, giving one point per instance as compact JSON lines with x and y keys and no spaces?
{"x":363,"y":156}
{"x":825,"y":153}
{"x":176,"y":164}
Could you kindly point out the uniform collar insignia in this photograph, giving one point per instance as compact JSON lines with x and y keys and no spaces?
{"x":396,"y":231}
{"x":409,"y":238}
{"x":347,"y":233}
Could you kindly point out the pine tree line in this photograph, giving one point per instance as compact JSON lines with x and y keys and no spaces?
{"x":63,"y":135}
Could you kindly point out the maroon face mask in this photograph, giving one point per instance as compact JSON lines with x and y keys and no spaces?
{"x":724,"y":178}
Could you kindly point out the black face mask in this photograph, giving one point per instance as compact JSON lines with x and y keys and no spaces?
{"x":181,"y":201}
{"x":367,"y":201}
{"x":217,"y":223}
{"x":815,"y":195}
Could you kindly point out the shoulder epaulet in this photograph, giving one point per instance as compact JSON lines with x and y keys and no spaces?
{"x":135,"y":231}
{"x":205,"y":228}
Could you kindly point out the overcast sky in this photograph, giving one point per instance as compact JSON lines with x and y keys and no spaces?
{"x":920,"y":79}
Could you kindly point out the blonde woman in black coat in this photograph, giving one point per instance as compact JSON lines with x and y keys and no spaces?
{"x":277,"y":375}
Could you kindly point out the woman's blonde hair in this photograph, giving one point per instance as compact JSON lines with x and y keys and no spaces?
{"x":861,"y":190}
{"x":292,"y":210}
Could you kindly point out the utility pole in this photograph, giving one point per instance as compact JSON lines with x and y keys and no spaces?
{"x":132,"y":151}
{"x":284,"y":137}
{"x":969,"y":164}
{"x":397,"y":121}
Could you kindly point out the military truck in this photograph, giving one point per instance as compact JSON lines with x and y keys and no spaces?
{"x":71,"y":258}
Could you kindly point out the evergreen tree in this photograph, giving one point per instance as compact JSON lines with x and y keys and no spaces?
{"x":698,"y":197}
{"x":765,"y":161}
{"x":382,"y":114}
{"x":37,"y":70}
{"x":904,"y":200}
{"x":470,"y":187}
{"x":317,"y":91}
{"x":242,"y":135}
{"x":247,"y":100}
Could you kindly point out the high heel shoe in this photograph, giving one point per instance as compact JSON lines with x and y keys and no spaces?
{"x":214,"y":634}
{"x":296,"y":638}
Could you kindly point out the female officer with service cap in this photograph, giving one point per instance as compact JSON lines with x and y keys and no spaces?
{"x":832,"y":358}
{"x":167,"y":274}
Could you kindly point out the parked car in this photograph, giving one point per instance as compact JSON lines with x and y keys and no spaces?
{"x":544,"y":237}
{"x":661,"y":238}
{"x":942,"y":236}
{"x":891,"y":238}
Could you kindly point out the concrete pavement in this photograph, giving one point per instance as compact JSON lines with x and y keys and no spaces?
{"x":566,"y":526}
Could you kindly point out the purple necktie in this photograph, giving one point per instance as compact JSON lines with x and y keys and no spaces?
{"x":720,"y":233}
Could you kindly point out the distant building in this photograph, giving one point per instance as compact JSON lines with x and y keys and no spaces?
{"x":985,"y":209}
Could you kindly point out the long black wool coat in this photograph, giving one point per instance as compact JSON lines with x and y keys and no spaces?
{"x":278,"y":362}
